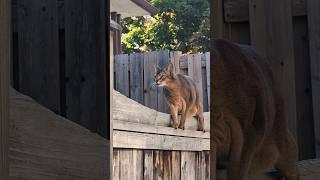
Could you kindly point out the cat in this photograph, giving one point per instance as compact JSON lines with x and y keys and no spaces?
{"x":249,"y":125}
{"x":182,"y":96}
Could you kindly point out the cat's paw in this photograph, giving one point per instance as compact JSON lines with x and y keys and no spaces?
{"x":175,"y":126}
{"x":181,"y":127}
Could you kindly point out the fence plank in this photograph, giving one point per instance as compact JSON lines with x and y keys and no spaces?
{"x":194,"y":70}
{"x":176,"y":164}
{"x":85,"y":33}
{"x":163,"y":60}
{"x":200,"y":165}
{"x":122,"y":73}
{"x":314,"y":44}
{"x":175,"y":60}
{"x":5,"y":57}
{"x":204,"y":84}
{"x":148,"y":165}
{"x":39,"y":52}
{"x":150,"y":95}
{"x":135,"y":140}
{"x":136,"y":77}
{"x":188,"y":166}
{"x":116,"y":164}
{"x":208,"y":163}
{"x":167,"y":165}
{"x":158,"y":165}
{"x":137,"y":158}
{"x":207,"y":55}
{"x":125,"y":164}
{"x":305,"y":121}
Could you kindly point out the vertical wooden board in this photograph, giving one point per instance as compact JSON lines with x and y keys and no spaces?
{"x":116,"y":164}
{"x":150,"y":95}
{"x":126,"y":164}
{"x":158,"y":165}
{"x":237,"y":32}
{"x":210,"y":161}
{"x":163,"y":60}
{"x":171,"y":165}
{"x":130,"y":164}
{"x":184,"y":59}
{"x":204,"y":84}
{"x":207,"y":56}
{"x":121,"y":62}
{"x":200,"y":165}
{"x":217,"y":19}
{"x":167,"y":165}
{"x":85,"y":62}
{"x":188,"y":166}
{"x":276,"y":42}
{"x":314,"y":44}
{"x":136,"y":77}
{"x":148,"y":165}
{"x":194,"y":70}
{"x":137,"y":164}
{"x":5,"y":57}
{"x":306,"y":139}
{"x":176,"y":165}
{"x":175,"y":60}
{"x":39,"y":52}
{"x":258,"y":25}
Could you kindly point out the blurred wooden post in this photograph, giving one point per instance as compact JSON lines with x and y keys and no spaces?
{"x":5,"y":55}
{"x":314,"y":44}
{"x":271,"y":34}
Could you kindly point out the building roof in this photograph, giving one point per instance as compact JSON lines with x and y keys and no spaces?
{"x":128,"y":8}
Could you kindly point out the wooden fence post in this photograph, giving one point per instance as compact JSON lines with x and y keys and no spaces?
{"x":275,"y":41}
{"x":5,"y":56}
{"x":314,"y":44}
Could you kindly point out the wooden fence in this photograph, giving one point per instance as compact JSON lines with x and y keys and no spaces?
{"x":134,"y":74}
{"x":287,"y":33}
{"x":59,"y":58}
{"x":146,"y":148}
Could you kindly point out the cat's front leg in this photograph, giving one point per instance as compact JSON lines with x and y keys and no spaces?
{"x":183,"y":120}
{"x":174,"y":116}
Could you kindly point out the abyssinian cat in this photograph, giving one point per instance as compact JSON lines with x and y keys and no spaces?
{"x":249,"y":125}
{"x":181,"y":94}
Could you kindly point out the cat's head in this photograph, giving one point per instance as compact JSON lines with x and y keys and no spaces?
{"x":162,"y":76}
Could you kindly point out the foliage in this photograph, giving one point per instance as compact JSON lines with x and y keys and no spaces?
{"x":180,"y":25}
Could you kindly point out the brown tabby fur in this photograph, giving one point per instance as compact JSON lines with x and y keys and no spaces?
{"x":182,"y":96}
{"x":249,"y":123}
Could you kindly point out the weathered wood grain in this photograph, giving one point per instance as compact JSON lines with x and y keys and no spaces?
{"x":116,"y":164}
{"x":175,"y":60}
{"x":5,"y":57}
{"x":207,"y":57}
{"x":194,"y":70}
{"x":200,"y":165}
{"x":121,"y":65}
{"x":188,"y":170}
{"x":275,"y":41}
{"x":167,"y":165}
{"x":85,"y":35}
{"x":151,"y":129}
{"x":314,"y":48}
{"x":38,"y":52}
{"x":131,"y":164}
{"x":158,"y":165}
{"x":237,"y":10}
{"x":44,"y":145}
{"x":135,"y":140}
{"x":136,"y":77}
{"x":176,"y":164}
{"x":148,"y":165}
{"x":126,"y":109}
{"x":305,"y":121}
{"x":150,"y":95}
{"x":163,"y":60}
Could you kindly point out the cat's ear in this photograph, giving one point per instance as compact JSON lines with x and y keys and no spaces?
{"x":156,"y":68}
{"x":170,"y":68}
